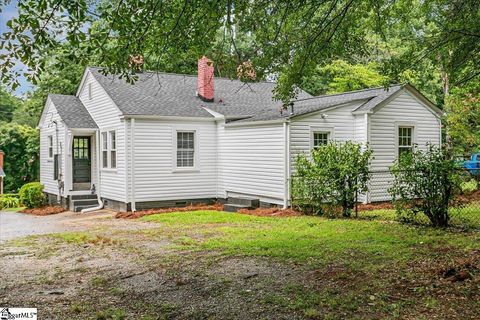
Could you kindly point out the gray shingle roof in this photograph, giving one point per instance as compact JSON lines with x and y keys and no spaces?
{"x":167,"y":94}
{"x":72,"y":111}
{"x":301,"y":106}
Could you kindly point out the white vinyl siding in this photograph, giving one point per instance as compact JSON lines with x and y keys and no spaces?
{"x":251,"y":162}
{"x":403,"y":111}
{"x":339,"y":123}
{"x":107,"y":116}
{"x":156,"y":174}
{"x":50,"y":146}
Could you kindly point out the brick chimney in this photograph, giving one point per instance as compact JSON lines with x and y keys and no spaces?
{"x":205,"y":79}
{"x":1,"y":159}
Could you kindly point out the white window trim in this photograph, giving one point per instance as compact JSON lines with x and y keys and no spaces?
{"x":321,"y":129}
{"x":109,"y":149}
{"x":412,"y":124}
{"x":50,"y":146}
{"x":196,"y":150}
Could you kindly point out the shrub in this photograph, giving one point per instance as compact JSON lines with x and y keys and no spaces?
{"x":31,"y":195}
{"x":425,"y":182}
{"x":469,"y":186}
{"x":9,"y":201}
{"x":331,"y":177}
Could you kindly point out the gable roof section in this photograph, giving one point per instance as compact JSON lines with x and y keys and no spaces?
{"x":72,"y":112}
{"x":168,"y":94}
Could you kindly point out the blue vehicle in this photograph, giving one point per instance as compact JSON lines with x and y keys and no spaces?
{"x":473,"y":165}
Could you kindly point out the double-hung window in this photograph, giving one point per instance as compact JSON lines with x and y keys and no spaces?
{"x":104,"y":150}
{"x":320,"y":138}
{"x":185,"y":149}
{"x":50,"y":146}
{"x":113,"y":150}
{"x":109,"y":149}
{"x":405,"y":140}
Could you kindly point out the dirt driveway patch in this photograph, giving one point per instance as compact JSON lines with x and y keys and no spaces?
{"x":216,"y":265}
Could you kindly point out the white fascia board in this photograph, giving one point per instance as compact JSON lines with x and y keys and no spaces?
{"x":170,"y":118}
{"x":255,"y":123}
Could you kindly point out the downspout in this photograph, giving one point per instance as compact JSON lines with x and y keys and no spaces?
{"x":99,"y":198}
{"x":286,"y":133}
{"x":59,"y":176}
{"x":367,"y":141}
{"x":132,"y":167}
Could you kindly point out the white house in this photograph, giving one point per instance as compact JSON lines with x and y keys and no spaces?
{"x":172,"y":139}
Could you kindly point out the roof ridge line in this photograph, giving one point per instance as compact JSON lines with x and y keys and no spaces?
{"x":189,"y":75}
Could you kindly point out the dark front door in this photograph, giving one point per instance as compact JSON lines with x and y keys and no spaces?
{"x":81,"y":162}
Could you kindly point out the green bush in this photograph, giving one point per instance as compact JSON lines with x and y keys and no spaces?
{"x":331,"y":178}
{"x":31,"y":195}
{"x":9,"y":201}
{"x":425,"y":182}
{"x":469,"y":186}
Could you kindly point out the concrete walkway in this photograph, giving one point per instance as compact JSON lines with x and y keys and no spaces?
{"x":15,"y":225}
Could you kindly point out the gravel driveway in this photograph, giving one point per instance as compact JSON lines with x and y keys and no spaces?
{"x":15,"y":225}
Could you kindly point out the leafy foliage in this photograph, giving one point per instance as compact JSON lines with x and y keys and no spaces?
{"x":463,"y":119}
{"x":31,"y":195}
{"x":21,"y":147}
{"x":341,"y":76}
{"x":286,"y":39}
{"x":332,"y":176}
{"x":8,"y":105}
{"x":9,"y":201}
{"x":425,"y":182}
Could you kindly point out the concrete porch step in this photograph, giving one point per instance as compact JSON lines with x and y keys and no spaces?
{"x":244,"y":201}
{"x":229,"y":207}
{"x":83,"y":196}
{"x":80,"y":208}
{"x":84,"y":202}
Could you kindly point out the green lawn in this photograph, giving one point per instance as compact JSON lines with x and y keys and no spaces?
{"x":13,"y":209}
{"x":306,"y":238}
{"x":372,"y":267}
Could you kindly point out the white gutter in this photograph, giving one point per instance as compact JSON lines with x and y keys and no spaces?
{"x":286,"y":133}
{"x":99,"y":199}
{"x":132,"y":165}
{"x":169,"y":118}
{"x":255,"y":123}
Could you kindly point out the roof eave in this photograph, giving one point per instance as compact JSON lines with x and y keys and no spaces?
{"x":157,"y":117}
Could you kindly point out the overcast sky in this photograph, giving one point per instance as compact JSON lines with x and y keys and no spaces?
{"x":7,"y":13}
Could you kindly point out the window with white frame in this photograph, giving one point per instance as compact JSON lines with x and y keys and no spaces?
{"x":185,"y":149}
{"x":50,"y":146}
{"x":113,"y":150}
{"x":104,"y":150}
{"x":109,"y":149}
{"x":405,"y":140}
{"x":320,"y":138}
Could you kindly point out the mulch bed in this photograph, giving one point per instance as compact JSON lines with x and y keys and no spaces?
{"x":375,"y":206}
{"x":271,"y":212}
{"x":142,"y":213}
{"x":265,"y":212}
{"x":44,"y":211}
